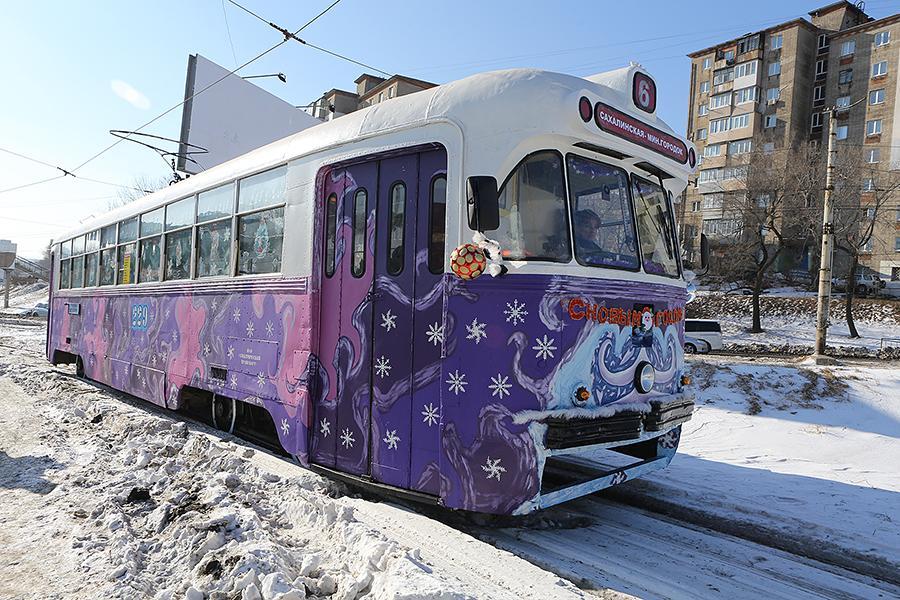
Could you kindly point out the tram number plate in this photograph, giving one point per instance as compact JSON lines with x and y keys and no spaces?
{"x":140,"y":316}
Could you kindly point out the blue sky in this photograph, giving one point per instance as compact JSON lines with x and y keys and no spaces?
{"x":65,"y":61}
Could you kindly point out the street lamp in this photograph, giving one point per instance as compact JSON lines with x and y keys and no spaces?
{"x":281,"y":76}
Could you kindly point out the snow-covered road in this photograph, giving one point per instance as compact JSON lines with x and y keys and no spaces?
{"x":106,"y":496}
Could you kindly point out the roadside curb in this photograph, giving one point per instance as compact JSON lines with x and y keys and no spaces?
{"x":793,"y":538}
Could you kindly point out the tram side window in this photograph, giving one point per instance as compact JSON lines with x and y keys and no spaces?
{"x":78,"y":245}
{"x":125,"y":263}
{"x":128,"y":230}
{"x":78,"y":271}
{"x":330,"y":233}
{"x":359,"y":233}
{"x":90,"y":269}
{"x":92,"y":241}
{"x":264,"y":189}
{"x":655,"y":228}
{"x":214,"y":210}
{"x":108,"y":236}
{"x":533,"y":220}
{"x":214,"y":249}
{"x":397,"y":225}
{"x":178,"y":254}
{"x":601,"y":214}
{"x":260,"y":237}
{"x":65,"y":271}
{"x":438,"y":215}
{"x":108,"y":266}
{"x":66,"y":249}
{"x":150,"y":258}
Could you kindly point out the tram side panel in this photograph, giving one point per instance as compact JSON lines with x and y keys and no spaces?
{"x":252,"y":345}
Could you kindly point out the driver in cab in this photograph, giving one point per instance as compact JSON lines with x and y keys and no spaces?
{"x":587,"y":227}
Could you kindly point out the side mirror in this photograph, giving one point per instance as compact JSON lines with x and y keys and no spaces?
{"x":704,"y":254}
{"x":482,"y":202}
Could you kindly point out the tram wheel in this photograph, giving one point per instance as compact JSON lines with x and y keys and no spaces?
{"x":224,"y":410}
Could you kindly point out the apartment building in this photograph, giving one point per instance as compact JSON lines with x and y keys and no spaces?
{"x":370,"y":89}
{"x":765,"y":92}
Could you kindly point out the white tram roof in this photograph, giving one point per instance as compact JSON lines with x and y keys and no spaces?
{"x":487,"y":107}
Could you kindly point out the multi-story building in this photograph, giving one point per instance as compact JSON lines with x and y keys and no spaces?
{"x":370,"y":89}
{"x":765,"y":92}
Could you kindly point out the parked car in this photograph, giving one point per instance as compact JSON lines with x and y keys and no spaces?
{"x":707,"y":330}
{"x":866,"y":284}
{"x":694,"y":345}
{"x":38,"y":310}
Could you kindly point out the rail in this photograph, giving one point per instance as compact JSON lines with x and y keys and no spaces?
{"x":890,"y":341}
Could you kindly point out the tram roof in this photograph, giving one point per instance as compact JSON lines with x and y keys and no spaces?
{"x":486,"y":105}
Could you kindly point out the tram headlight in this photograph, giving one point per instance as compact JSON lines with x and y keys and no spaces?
{"x":644,"y":377}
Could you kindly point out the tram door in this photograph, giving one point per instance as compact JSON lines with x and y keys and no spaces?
{"x":408,"y":323}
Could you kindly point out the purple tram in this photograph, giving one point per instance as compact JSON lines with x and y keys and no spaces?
{"x":309,"y":283}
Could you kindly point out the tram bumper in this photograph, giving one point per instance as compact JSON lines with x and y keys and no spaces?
{"x":585,"y":454}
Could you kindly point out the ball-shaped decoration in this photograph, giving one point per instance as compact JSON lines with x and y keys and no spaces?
{"x":468,"y":261}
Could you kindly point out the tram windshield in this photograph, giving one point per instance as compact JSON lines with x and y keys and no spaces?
{"x":655,"y":227}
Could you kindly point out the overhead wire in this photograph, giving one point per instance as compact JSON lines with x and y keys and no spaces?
{"x":228,"y":31}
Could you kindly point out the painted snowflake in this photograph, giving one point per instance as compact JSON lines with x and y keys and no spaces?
{"x":515,"y":312}
{"x":214,"y":305}
{"x":153,"y":360}
{"x":431,"y":414}
{"x":250,"y":328}
{"x":285,"y":427}
{"x":174,"y":336}
{"x":457,"y":382}
{"x":435,"y":333}
{"x":230,"y":351}
{"x":493,"y":468}
{"x":476,"y":330}
{"x":347,"y":438}
{"x":544,"y":347}
{"x":206,"y":349}
{"x":500,"y":384}
{"x":388,"y":321}
{"x":383,"y":367}
{"x":391,"y":439}
{"x":325,"y":428}
{"x":234,"y":381}
{"x":260,"y":379}
{"x":270,"y":329}
{"x":236,"y":315}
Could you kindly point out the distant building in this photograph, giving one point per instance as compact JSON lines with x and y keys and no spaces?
{"x":370,"y":89}
{"x":766,"y":91}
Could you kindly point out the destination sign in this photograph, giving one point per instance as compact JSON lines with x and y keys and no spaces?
{"x":624,"y":126}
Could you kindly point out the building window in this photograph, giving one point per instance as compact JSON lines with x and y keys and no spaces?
{"x":704,"y":87}
{"x":713,"y":201}
{"x":745,"y":95}
{"x":712,"y":150}
{"x":701,"y":133}
{"x":821,"y":67}
{"x":707,"y":175}
{"x":868,"y":184}
{"x":882,"y":38}
{"x":842,"y":102}
{"x":703,"y":109}
{"x":823,"y":41}
{"x":845,"y":76}
{"x":391,"y":92}
{"x":775,"y":68}
{"x":729,"y":54}
{"x":873,"y":127}
{"x":819,"y":93}
{"x":896,"y":249}
{"x":776,"y":41}
{"x":769,"y":147}
{"x":876,"y":96}
{"x":771,"y":121}
{"x":773,"y":94}
{"x":897,"y":215}
{"x":879,"y":69}
{"x":706,"y":63}
{"x":695,"y":206}
{"x":870,"y":213}
{"x":739,"y":121}
{"x":381,"y":96}
{"x":721,"y":76}
{"x":816,"y":120}
{"x":720,"y":100}
{"x":841,"y":132}
{"x":848,"y":48}
{"x":873,"y":155}
{"x":749,"y":43}
{"x":739,"y":147}
{"x":745,"y":68}
{"x":867,"y":247}
{"x":718,"y":125}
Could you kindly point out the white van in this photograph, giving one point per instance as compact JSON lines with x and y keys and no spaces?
{"x":707,"y":330}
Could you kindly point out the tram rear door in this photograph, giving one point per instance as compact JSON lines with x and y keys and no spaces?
{"x":382,"y":325}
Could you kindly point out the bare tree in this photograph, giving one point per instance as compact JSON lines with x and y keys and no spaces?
{"x":862,"y":195}
{"x":768,"y":210}
{"x":141,"y":185}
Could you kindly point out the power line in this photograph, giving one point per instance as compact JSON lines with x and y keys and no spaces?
{"x":293,"y":36}
{"x":228,"y":31}
{"x":19,"y":187}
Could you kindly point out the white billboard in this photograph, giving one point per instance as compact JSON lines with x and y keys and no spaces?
{"x":230,"y":118}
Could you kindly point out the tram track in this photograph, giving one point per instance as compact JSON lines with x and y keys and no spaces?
{"x":601,"y":544}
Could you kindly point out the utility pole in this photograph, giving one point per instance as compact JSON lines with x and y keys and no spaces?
{"x":827,"y":241}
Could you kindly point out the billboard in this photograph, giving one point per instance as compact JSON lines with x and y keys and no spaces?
{"x":7,"y":254}
{"x":230,"y":118}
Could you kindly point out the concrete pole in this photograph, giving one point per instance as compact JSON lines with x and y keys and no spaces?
{"x":827,"y":241}
{"x":6,"y":273}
